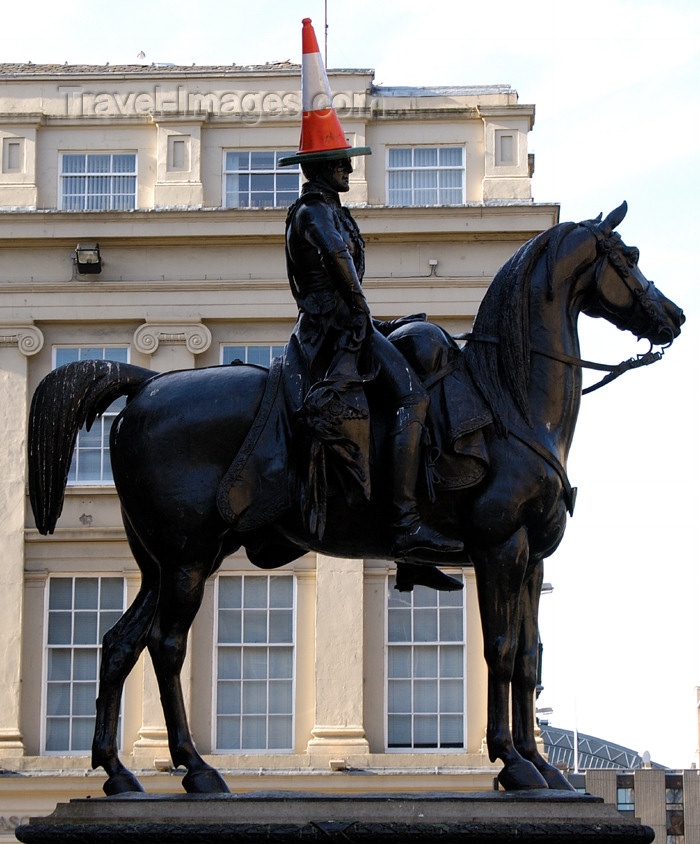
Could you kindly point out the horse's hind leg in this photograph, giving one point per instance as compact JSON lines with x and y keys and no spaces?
{"x":121,"y":647}
{"x":525,"y":681}
{"x":181,"y":594}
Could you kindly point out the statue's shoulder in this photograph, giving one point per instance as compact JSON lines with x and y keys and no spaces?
{"x":309,"y":203}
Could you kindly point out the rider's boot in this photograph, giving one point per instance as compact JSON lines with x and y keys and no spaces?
{"x":409,"y":575}
{"x":410,"y":533}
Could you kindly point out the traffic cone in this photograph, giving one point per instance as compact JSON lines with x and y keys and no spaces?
{"x":322,"y":136}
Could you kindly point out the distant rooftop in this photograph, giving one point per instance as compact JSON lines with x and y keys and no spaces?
{"x":441,"y":90}
{"x":156,"y":69}
{"x":19,"y":70}
{"x":592,"y":752}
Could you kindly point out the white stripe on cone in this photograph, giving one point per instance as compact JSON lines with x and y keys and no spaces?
{"x":315,"y":90}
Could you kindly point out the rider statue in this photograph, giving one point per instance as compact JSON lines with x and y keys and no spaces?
{"x":325,"y":262}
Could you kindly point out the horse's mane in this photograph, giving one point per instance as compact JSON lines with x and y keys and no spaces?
{"x":499,"y":355}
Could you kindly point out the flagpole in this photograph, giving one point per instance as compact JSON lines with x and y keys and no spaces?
{"x":576,"y":770}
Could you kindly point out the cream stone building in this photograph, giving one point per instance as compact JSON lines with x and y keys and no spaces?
{"x":336,"y":682}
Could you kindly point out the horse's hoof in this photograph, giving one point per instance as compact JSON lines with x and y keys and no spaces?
{"x":121,"y":783}
{"x":205,"y":781}
{"x":555,"y":779}
{"x":520,"y":776}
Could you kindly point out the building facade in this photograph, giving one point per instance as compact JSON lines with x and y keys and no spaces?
{"x":318,"y":675}
{"x":667,"y":801}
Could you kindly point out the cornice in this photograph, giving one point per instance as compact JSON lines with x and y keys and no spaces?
{"x":164,"y":227}
{"x":55,"y":288}
{"x":29,"y":118}
{"x":380,"y":113}
{"x":114,"y":534}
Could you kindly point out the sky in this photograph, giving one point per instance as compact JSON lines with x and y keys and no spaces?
{"x":616,"y":87}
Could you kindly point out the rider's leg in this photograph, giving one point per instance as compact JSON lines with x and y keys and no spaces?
{"x":410,"y":533}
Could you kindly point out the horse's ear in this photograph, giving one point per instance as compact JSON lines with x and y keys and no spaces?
{"x":613,"y":220}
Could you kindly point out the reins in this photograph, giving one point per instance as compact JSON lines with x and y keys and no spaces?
{"x":614,"y":370}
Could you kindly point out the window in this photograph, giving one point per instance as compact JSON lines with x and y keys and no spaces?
{"x":425,"y":176}
{"x":260,"y":355}
{"x":675,"y":816}
{"x":425,"y":669}
{"x":255,"y":663}
{"x":91,"y":456}
{"x":98,"y":181}
{"x":625,"y":795}
{"x":81,"y":610}
{"x":254,"y":179}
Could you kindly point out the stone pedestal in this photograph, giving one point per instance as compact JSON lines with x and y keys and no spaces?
{"x":546,"y":817}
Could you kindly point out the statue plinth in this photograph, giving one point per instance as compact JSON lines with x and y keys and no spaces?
{"x":542,"y":816}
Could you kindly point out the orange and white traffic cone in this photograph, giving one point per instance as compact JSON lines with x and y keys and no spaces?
{"x":322,"y":136}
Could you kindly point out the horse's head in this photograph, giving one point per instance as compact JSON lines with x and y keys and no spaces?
{"x":621,"y":294}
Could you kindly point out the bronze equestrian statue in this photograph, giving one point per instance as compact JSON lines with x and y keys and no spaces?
{"x":174,"y":443}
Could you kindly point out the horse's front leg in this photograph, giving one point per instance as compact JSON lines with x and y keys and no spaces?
{"x":500,"y":573}
{"x":525,"y":676}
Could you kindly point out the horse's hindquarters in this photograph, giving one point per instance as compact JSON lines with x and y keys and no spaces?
{"x":174,"y":442}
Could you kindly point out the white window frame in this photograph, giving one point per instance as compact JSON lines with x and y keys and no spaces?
{"x":73,"y":647}
{"x":437,"y":168}
{"x":250,"y":171}
{"x":110,"y":202}
{"x":390,"y":580}
{"x":260,"y":354}
{"x":216,"y":749}
{"x":102,"y":423}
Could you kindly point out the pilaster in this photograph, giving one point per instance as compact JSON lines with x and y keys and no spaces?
{"x":17,"y":342}
{"x":18,"y":161}
{"x":507,"y":165}
{"x":178,"y":169}
{"x":338,"y":707}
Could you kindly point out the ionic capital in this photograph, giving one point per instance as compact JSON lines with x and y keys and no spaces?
{"x":194,"y":335}
{"x":26,"y":337}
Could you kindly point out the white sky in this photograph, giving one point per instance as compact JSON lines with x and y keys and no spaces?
{"x":617,"y":90}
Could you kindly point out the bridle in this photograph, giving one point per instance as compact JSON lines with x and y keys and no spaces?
{"x":614,"y":370}
{"x":608,"y":249}
{"x":607,"y":245}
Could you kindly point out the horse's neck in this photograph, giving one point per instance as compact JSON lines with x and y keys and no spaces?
{"x":555,"y":386}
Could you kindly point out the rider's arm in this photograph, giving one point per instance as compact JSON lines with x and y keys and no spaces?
{"x":316,"y":223}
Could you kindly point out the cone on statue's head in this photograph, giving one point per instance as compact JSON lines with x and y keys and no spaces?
{"x":322,"y":137}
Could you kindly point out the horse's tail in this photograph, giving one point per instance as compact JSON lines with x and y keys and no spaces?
{"x":69,"y":397}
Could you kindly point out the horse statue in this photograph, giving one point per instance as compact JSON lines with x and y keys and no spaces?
{"x":179,"y":433}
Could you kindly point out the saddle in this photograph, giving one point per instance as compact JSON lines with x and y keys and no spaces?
{"x":310,"y":437}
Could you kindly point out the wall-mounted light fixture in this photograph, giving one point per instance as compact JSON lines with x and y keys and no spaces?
{"x":88,"y":259}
